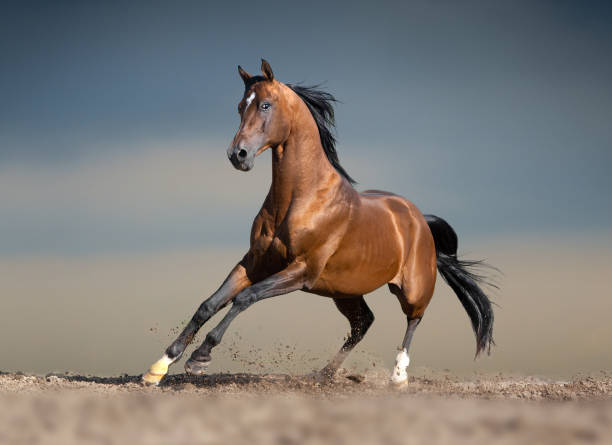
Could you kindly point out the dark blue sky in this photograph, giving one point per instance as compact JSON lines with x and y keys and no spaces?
{"x":496,"y":115}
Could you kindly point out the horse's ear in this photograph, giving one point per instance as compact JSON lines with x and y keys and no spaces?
{"x":245,"y":76}
{"x":266,"y":69}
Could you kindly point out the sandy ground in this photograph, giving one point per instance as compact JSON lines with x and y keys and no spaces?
{"x":284,"y":409}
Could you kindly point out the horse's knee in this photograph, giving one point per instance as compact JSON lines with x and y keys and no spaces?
{"x":244,"y":300}
{"x":213,"y":338}
{"x":204,"y":312}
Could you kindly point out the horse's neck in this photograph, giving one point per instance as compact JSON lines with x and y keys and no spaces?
{"x":300,"y":171}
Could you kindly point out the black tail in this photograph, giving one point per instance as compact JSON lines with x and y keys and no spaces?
{"x":460,"y":276}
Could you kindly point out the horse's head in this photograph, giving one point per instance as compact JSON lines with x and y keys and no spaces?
{"x":265,"y":120}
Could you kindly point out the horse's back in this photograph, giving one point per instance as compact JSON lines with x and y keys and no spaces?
{"x":405,"y":213}
{"x":409,"y":222}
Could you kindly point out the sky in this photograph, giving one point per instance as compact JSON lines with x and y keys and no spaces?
{"x":115,"y":118}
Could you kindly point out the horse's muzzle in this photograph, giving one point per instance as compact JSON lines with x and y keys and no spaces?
{"x":241,"y":159}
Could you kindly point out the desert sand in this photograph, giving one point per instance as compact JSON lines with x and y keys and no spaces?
{"x":285,"y":409}
{"x":107,"y":317}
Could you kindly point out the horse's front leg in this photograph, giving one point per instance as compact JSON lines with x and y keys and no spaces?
{"x":290,"y":279}
{"x":236,"y":281}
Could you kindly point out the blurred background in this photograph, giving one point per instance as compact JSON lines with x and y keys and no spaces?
{"x":119,"y":210}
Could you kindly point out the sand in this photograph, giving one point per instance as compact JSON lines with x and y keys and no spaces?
{"x":286,"y":409}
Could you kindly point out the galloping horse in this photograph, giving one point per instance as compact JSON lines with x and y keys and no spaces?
{"x":316,"y":233}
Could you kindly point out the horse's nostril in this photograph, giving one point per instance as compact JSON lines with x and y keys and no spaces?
{"x":242,"y":154}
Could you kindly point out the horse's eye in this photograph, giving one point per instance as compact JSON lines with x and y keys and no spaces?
{"x":264,"y":106}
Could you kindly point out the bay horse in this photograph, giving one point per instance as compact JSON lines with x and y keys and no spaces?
{"x":316,"y":233}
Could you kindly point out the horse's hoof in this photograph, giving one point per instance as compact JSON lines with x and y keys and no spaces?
{"x":156,"y":372}
{"x":195,"y":367}
{"x":149,"y":379}
{"x":399,"y":378}
{"x":399,"y":384}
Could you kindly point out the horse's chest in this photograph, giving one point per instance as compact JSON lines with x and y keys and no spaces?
{"x":271,"y":248}
{"x":282,"y":239}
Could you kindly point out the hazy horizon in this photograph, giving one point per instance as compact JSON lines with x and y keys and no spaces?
{"x":114,"y":313}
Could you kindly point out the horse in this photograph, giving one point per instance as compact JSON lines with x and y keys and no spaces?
{"x":316,"y":233}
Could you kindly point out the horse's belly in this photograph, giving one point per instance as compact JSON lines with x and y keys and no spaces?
{"x":347,"y":284}
{"x":360,"y":269}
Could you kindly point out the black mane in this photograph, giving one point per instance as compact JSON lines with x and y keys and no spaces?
{"x":320,"y":104}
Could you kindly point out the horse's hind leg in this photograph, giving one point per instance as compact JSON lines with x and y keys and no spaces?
{"x":413,"y":302}
{"x":360,"y":318}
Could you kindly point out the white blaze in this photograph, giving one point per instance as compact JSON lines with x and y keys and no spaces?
{"x":249,"y":100}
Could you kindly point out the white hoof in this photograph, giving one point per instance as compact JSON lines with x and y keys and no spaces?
{"x":400,"y":372}
{"x":157,"y":371}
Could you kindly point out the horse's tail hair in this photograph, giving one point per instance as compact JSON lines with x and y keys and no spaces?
{"x":465,"y":279}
